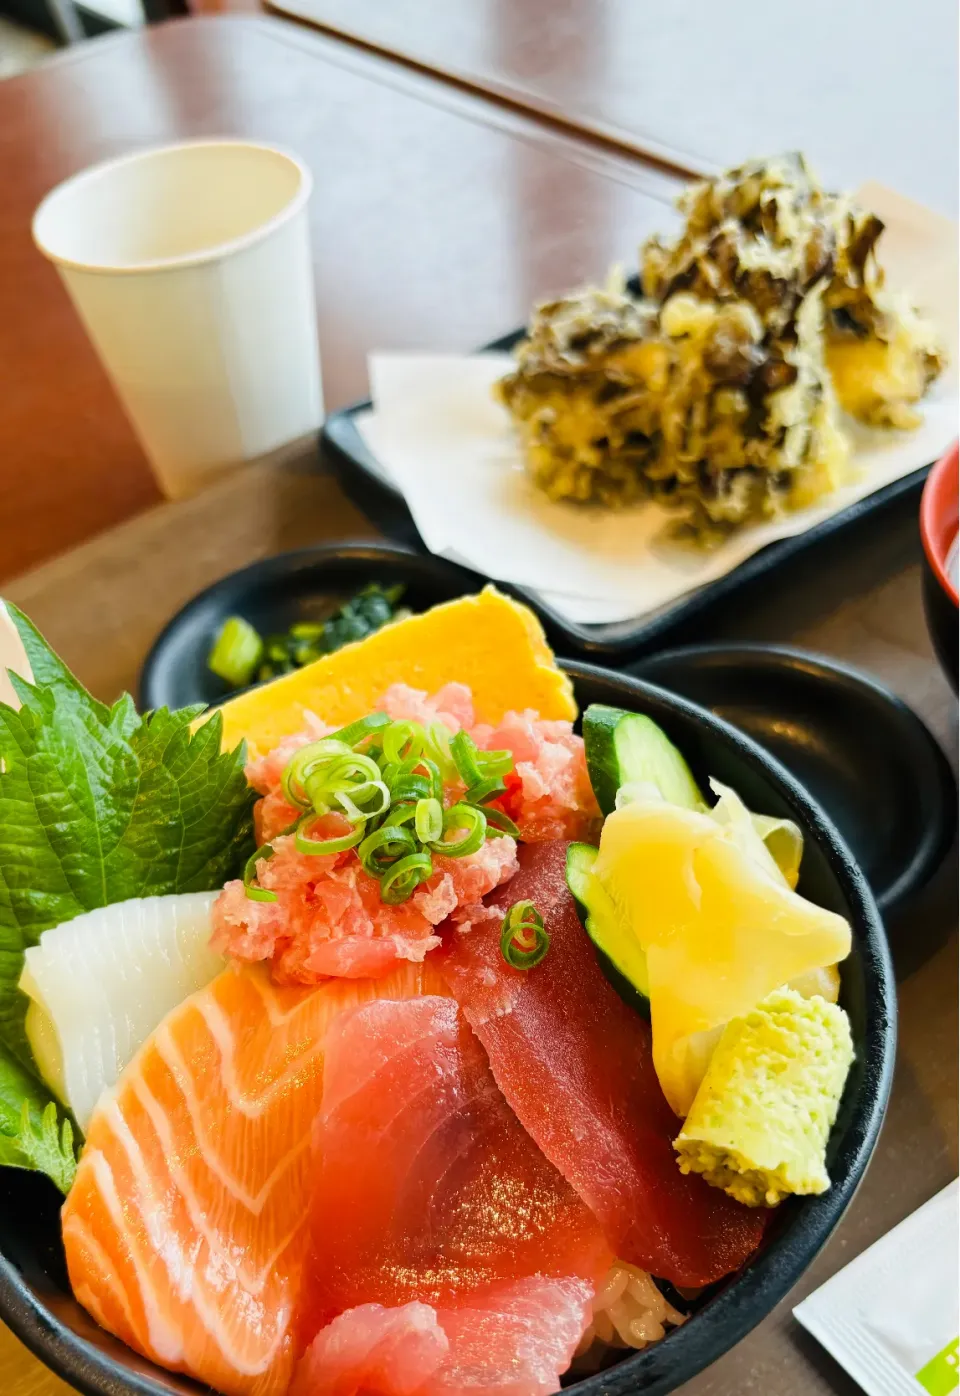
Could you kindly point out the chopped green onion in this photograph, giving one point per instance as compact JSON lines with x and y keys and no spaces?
{"x":428,"y":820}
{"x":407,"y":781}
{"x":485,"y":790}
{"x":250,"y":886}
{"x":499,"y":823}
{"x":402,"y":741}
{"x":495,"y":763}
{"x":346,"y":780}
{"x":368,"y":800}
{"x":469,"y":818}
{"x":267,"y":850}
{"x":236,"y":652}
{"x":304,"y":763}
{"x":438,"y":745}
{"x":322,"y":846}
{"x":523,"y":939}
{"x":355,"y":732}
{"x":464,"y":751}
{"x":400,"y":882}
{"x":433,"y":772}
{"x":381,"y":849}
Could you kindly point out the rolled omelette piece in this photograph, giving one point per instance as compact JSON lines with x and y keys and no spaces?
{"x":759,"y":1124}
{"x":491,"y":643}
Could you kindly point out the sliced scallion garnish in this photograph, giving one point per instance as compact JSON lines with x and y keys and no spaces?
{"x":266,"y":850}
{"x":402,"y":741}
{"x":356,"y":732}
{"x":381,"y":849}
{"x":439,"y":737}
{"x":489,"y":789}
{"x":305,"y":844}
{"x":495,"y":763}
{"x":464,"y":751}
{"x":523,"y":938}
{"x":467,"y":818}
{"x":428,"y":820}
{"x":254,"y":891}
{"x":390,"y":773}
{"x":499,"y":823}
{"x":402,"y":879}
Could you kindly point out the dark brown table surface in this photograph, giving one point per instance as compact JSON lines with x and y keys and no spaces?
{"x":437,"y":219}
{"x":868,"y":90}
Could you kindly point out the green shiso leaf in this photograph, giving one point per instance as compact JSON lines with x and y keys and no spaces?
{"x":35,"y":1133}
{"x":97,"y":805}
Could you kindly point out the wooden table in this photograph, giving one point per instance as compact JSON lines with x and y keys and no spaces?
{"x":868,"y":90}
{"x":437,"y":219}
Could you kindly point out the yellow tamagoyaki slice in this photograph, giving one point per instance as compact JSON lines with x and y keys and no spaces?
{"x":494,"y":645}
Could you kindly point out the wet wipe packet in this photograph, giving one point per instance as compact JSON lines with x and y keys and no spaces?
{"x":890,"y":1317}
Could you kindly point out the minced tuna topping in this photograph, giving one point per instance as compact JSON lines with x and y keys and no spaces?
{"x":328,"y":919}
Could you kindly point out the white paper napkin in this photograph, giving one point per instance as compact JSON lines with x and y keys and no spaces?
{"x":440,"y":436}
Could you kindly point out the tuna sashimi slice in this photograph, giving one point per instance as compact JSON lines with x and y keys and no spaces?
{"x":185,"y":1228}
{"x":372,"y":1349}
{"x":513,"y":1340}
{"x":575,"y":1062}
{"x":427,"y":1187}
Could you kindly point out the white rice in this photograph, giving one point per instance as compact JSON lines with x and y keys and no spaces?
{"x":628,"y":1312}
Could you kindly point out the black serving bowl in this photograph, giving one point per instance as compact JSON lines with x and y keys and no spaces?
{"x":34,"y":1297}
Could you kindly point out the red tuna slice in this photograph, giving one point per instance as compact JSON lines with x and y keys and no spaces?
{"x":427,"y":1186}
{"x":575,"y":1062}
{"x":390,"y":1352}
{"x":513,"y":1340}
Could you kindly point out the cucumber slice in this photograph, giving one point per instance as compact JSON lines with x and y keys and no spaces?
{"x":628,"y":748}
{"x":620,"y":956}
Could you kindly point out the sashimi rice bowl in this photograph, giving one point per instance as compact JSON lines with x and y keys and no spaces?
{"x":434,"y":1019}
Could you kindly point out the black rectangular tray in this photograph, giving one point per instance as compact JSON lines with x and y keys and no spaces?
{"x":617,"y":642}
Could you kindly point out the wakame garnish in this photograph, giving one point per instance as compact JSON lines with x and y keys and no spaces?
{"x":523,"y":939}
{"x":386,"y":778}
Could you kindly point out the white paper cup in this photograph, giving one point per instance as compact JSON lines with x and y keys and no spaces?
{"x":190,"y":268}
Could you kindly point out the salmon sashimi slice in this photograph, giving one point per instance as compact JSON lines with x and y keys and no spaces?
{"x":428,"y":1187}
{"x":514,"y":1340}
{"x":185,"y":1228}
{"x":575,"y":1062}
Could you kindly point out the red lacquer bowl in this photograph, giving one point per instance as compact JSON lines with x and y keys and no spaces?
{"x":938,"y":530}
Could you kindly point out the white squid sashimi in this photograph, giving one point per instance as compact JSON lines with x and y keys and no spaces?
{"x":101,"y":983}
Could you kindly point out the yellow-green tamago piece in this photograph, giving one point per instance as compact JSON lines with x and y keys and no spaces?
{"x":759,"y":1124}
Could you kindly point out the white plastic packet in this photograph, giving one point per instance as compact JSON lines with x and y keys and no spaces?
{"x":890,"y":1317}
